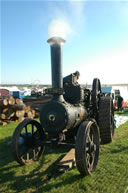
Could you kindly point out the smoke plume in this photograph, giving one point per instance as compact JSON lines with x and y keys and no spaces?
{"x":59,"y":27}
{"x":67,"y":21}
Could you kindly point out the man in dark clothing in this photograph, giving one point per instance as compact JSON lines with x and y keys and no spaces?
{"x":72,"y":79}
{"x":119,"y":103}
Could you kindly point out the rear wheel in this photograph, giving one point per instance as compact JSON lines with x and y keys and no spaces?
{"x":87,"y":147}
{"x":106,"y":119}
{"x":96,"y":92}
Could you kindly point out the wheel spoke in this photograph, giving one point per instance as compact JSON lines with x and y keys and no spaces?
{"x":93,"y":155}
{"x":34,"y":154}
{"x":92,"y":137}
{"x":36,"y":132}
{"x":87,"y":148}
{"x":93,"y":158}
{"x":87,"y":140}
{"x":22,"y":153}
{"x":32,"y":129}
{"x":27,"y":156}
{"x":94,"y":147}
{"x":88,"y":160}
{"x":88,"y":136}
{"x":26,"y":130}
{"x":39,"y":148}
{"x":90,"y":148}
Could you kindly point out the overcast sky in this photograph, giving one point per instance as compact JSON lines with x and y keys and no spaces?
{"x":96,"y":34}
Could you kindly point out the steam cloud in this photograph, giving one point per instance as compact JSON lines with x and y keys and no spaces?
{"x":59,"y":28}
{"x":67,"y":22}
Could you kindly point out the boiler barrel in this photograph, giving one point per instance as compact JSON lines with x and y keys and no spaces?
{"x":56,"y":116}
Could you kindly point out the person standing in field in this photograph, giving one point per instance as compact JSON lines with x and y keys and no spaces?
{"x":119,"y":103}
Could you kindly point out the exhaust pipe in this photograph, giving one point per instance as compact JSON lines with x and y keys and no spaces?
{"x":56,"y":61}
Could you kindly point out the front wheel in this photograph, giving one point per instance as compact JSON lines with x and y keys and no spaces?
{"x":87,"y":147}
{"x":26,"y":142}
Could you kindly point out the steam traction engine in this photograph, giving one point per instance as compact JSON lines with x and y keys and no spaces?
{"x":73,"y":112}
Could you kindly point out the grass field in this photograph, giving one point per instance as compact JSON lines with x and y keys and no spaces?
{"x":111,"y":175}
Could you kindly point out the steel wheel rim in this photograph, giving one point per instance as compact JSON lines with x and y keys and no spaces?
{"x":25,"y":143}
{"x":91,"y":147}
{"x":29,"y":150}
{"x":90,"y":150}
{"x":87,"y":147}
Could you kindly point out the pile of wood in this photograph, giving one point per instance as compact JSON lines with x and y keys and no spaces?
{"x":14,"y":110}
{"x":36,"y":103}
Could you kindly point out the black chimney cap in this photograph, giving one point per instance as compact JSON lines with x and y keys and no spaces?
{"x":56,"y":40}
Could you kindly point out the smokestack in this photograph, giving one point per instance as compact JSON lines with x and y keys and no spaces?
{"x":56,"y":61}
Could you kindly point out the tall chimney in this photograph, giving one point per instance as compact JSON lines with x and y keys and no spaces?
{"x":56,"y":61}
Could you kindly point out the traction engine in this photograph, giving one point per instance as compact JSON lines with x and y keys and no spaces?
{"x":74,"y":114}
